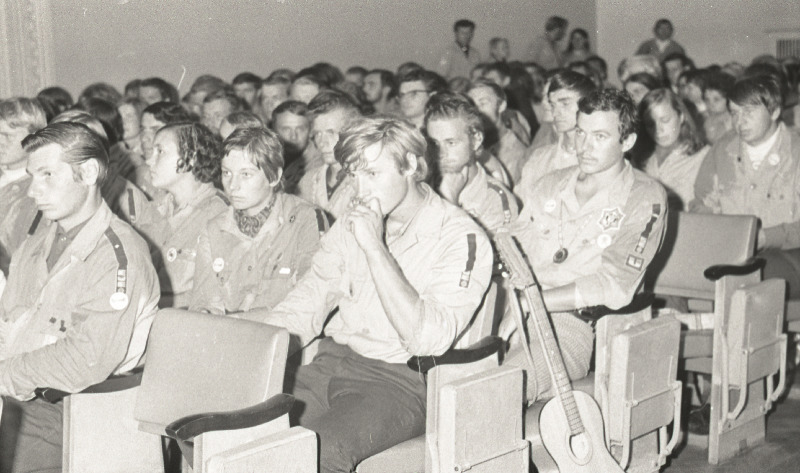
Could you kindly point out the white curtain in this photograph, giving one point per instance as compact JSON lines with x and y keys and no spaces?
{"x":26,"y":43}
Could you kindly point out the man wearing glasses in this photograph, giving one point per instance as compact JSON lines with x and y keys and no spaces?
{"x":414,"y":91}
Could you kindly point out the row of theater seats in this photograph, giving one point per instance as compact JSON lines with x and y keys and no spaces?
{"x":221,"y":397}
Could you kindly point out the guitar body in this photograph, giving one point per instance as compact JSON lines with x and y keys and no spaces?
{"x":587,"y":453}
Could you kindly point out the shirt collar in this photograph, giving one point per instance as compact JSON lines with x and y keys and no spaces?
{"x":474,"y":185}
{"x":88,"y":235}
{"x":615,"y":194}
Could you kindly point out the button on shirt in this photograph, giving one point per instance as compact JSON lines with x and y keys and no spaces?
{"x":727,"y":183}
{"x":611,"y":239}
{"x":235,"y":272}
{"x":61,"y":328}
{"x":443,"y":254}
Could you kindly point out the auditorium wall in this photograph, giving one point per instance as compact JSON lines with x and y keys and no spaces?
{"x":711,"y":31}
{"x":117,"y":40}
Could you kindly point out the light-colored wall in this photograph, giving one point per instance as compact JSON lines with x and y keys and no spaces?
{"x":118,"y":40}
{"x":716,"y":31}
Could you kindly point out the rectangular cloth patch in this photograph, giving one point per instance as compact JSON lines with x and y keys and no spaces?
{"x":635,"y":262}
{"x":648,"y":229}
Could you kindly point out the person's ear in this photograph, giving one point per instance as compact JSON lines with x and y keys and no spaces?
{"x":476,"y":140}
{"x":775,"y":114}
{"x":277,"y":178}
{"x":628,"y":142}
{"x":503,"y":107}
{"x":89,"y":172}
{"x":412,"y":162}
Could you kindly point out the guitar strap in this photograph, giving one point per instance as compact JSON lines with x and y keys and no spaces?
{"x":523,"y":336}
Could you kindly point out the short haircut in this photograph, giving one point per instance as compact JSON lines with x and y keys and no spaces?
{"x":80,"y":144}
{"x":720,"y":81}
{"x":308,"y":79}
{"x":407,"y":67}
{"x":208,"y":84}
{"x":555,"y":22}
{"x":464,"y":23}
{"x":109,"y":116}
{"x":261,"y":146}
{"x":22,"y":112}
{"x":497,"y":40}
{"x":663,"y":21}
{"x":168,"y":91}
{"x":487,"y":84}
{"x":759,"y":90}
{"x":132,"y":87}
{"x":236,"y":103}
{"x":100,"y":90}
{"x":290,"y":106}
{"x":287,"y":74}
{"x":329,"y":100}
{"x":387,"y":77}
{"x":612,"y":100}
{"x":356,"y":70}
{"x":394,"y":135}
{"x":449,"y":105}
{"x":690,"y":134}
{"x":84,"y":118}
{"x":434,"y":83}
{"x":199,"y":150}
{"x":647,"y":80}
{"x":684,"y":59}
{"x":54,"y":100}
{"x":572,"y":81}
{"x":244,"y":119}
{"x":247,"y":78}
{"x":501,"y":68}
{"x":168,"y":112}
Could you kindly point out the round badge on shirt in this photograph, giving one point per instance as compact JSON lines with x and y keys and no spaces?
{"x":773,"y":159}
{"x":604,"y":240}
{"x":118,"y":300}
{"x":218,"y":265}
{"x":549,"y":206}
{"x":172,"y":253}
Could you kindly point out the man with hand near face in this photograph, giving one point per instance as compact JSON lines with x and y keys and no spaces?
{"x":455,"y":130}
{"x":407,"y":270}
{"x":80,"y":297}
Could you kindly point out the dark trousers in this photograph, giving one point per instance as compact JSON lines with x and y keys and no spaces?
{"x":784,"y":264}
{"x":31,"y":436}
{"x":358,"y":406}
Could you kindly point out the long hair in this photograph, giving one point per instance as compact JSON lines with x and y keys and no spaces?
{"x":690,"y":134}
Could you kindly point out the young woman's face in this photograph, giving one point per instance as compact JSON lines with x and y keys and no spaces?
{"x":578,"y":41}
{"x":665,"y":125}
{"x":716,"y":103}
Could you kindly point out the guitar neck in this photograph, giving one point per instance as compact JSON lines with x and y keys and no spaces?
{"x":552,"y":354}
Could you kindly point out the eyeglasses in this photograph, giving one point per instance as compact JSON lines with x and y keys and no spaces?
{"x":411,"y":93}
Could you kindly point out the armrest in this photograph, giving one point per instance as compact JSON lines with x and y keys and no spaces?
{"x":187,"y":428}
{"x":719,"y":271}
{"x":640,"y":302}
{"x":110,"y":385}
{"x":478,"y":351}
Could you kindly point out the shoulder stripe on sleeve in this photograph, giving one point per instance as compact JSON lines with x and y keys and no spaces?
{"x":503,"y":200}
{"x":471,"y":250}
{"x":35,"y":223}
{"x":131,"y":206}
{"x":122,"y":260}
{"x":322,"y":221}
{"x":648,"y":229}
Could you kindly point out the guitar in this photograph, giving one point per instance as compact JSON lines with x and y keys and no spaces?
{"x":571,"y":424}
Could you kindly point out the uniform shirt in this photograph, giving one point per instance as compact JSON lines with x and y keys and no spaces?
{"x":511,"y":152}
{"x":677,"y":174}
{"x":173,"y":235}
{"x":235,"y":272}
{"x":313,"y":187}
{"x":126,"y":200}
{"x":17,"y":212}
{"x":454,"y":63}
{"x":651,"y":47}
{"x":545,"y":54}
{"x":542,"y":161}
{"x":84,"y":320}
{"x":728,"y":184}
{"x":443,"y":254}
{"x":611,"y":239}
{"x":488,"y":201}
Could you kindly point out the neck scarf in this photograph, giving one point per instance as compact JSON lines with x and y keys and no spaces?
{"x":250,"y":225}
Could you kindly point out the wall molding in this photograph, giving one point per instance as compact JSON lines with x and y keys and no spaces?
{"x":28,"y":64}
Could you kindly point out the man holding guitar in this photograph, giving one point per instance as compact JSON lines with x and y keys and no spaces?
{"x":589,"y":231}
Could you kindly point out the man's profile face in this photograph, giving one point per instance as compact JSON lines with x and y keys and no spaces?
{"x":413,"y":97}
{"x":373,"y":87}
{"x":11,"y":151}
{"x":58,"y":191}
{"x":464,"y":35}
{"x":272,"y":95}
{"x":753,"y":123}
{"x":325,"y":132}
{"x":293,"y":131}
{"x":564,"y":103}
{"x":150,"y":95}
{"x":597,"y":142}
{"x":674,"y":69}
{"x":246,"y":91}
{"x":214,"y":112}
{"x":149,"y":128}
{"x":487,"y":102}
{"x":500,"y":51}
{"x":454,"y":147}
{"x":381,"y":179}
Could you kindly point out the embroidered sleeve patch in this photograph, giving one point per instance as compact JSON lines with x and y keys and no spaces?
{"x":635,"y":262}
{"x":471,"y":249}
{"x":648,"y":229}
{"x":611,"y":219}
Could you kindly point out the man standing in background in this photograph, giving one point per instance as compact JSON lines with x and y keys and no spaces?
{"x":459,"y":58}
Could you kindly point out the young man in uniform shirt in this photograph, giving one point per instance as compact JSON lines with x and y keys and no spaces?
{"x":491,"y":101}
{"x":459,"y":58}
{"x":589,"y":232}
{"x":756,"y":171}
{"x":455,"y":130}
{"x":566,"y":89}
{"x":414,"y":90}
{"x":326,"y":186}
{"x":290,"y":121}
{"x":80,"y":298}
{"x":407,"y":270}
{"x":18,"y":118}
